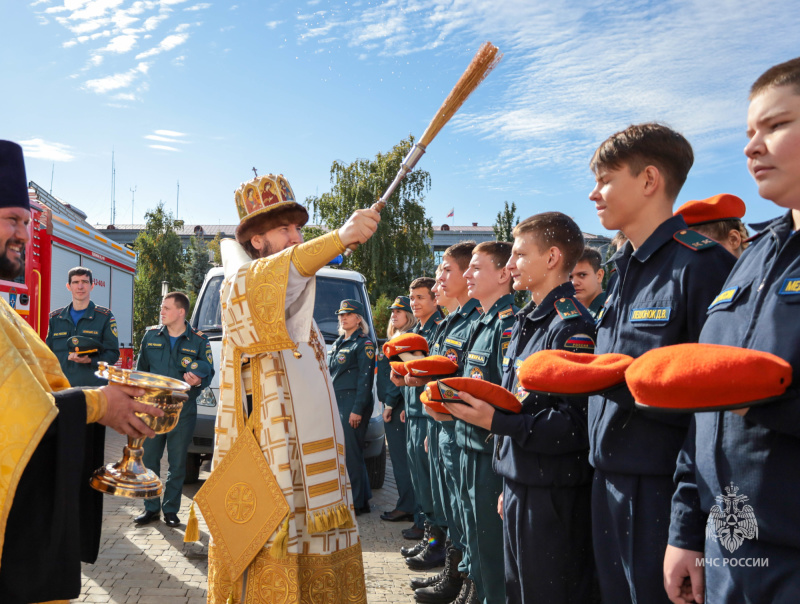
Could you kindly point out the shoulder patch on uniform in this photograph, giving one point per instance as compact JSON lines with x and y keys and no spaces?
{"x":566,"y":309}
{"x":508,"y":312}
{"x":580,"y":342}
{"x":693,"y":240}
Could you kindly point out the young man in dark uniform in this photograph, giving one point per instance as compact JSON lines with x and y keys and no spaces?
{"x":451,"y":340}
{"x":667,"y":276}
{"x":489,"y":282}
{"x":176,"y":350}
{"x":587,"y":279}
{"x":424,"y":309}
{"x":745,"y":461}
{"x":351,"y":362}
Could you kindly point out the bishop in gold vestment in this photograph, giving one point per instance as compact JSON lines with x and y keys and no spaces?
{"x":276,"y":393}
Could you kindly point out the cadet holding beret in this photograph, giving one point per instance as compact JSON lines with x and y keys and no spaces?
{"x":542,"y":453}
{"x":401,"y":321}
{"x":738,"y":475}
{"x":351,"y":362}
{"x":489,"y":282}
{"x":174,"y":349}
{"x":666,"y":276}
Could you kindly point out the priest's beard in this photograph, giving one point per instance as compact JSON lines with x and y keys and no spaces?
{"x":9,"y":269}
{"x":267,"y":250}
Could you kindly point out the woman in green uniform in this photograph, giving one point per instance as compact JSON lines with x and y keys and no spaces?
{"x":352,"y":365}
{"x":391,"y":396}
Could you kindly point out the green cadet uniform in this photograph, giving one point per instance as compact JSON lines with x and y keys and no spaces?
{"x":190,"y":353}
{"x":451,"y":341}
{"x":482,"y":525}
{"x":597,"y":304}
{"x":98,"y":324}
{"x":417,"y":424}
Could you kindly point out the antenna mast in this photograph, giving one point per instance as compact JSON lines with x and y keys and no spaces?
{"x":133,"y":197}
{"x":113,"y":189}
{"x":52,"y":174}
{"x":177,"y":202}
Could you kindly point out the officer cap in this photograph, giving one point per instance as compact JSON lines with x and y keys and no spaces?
{"x":572,"y":373}
{"x":401,"y":347}
{"x":13,"y":182}
{"x":351,"y":306}
{"x":719,"y":207}
{"x":85,"y":345}
{"x":706,"y":377}
{"x":401,"y":303}
{"x":199,"y":367}
{"x":428,"y":367}
{"x":448,"y":391}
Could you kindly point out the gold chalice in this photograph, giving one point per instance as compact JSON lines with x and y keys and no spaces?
{"x":129,"y":477}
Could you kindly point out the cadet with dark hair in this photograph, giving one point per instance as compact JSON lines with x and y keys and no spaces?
{"x":176,"y":350}
{"x":587,"y":279}
{"x":667,"y":277}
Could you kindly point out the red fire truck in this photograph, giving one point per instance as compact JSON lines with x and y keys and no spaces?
{"x":60,"y":239}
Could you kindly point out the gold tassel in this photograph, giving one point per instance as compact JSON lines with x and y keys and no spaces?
{"x":192,"y":528}
{"x":281,"y":544}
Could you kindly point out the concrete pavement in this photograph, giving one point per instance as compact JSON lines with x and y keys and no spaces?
{"x":151,"y":564}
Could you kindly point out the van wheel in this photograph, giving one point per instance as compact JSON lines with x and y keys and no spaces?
{"x":193,"y":463}
{"x":376,"y":468}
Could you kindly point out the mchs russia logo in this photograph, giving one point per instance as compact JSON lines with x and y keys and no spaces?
{"x":732,"y":520}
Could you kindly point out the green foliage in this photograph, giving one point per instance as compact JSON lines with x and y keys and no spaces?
{"x":197,"y":265}
{"x":311,"y":232}
{"x":381,"y":313}
{"x":505,"y":223}
{"x":213,"y":245}
{"x":400,"y":251}
{"x":160,"y":259}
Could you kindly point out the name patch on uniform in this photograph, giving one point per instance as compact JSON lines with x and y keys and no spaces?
{"x":790,"y":287}
{"x":478,"y":358}
{"x":650,"y":315}
{"x":725,"y":296}
{"x":452,"y":342}
{"x":155,"y":344}
{"x":506,"y":361}
{"x":87,"y":331}
{"x":60,"y":333}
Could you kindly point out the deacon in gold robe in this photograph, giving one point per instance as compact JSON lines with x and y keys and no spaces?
{"x":42,"y":431}
{"x":276,"y":394}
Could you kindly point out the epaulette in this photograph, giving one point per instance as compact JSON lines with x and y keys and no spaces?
{"x":57,"y":312}
{"x":508,"y":312}
{"x":102,"y":309}
{"x":566,"y":309}
{"x":151,"y":327}
{"x":694,"y":240}
{"x":198,"y":333}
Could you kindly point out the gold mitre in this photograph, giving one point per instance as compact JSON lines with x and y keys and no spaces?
{"x":263,"y":195}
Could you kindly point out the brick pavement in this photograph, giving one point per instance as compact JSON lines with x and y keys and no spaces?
{"x":152,"y":565}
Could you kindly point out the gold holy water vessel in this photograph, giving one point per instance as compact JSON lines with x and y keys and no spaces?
{"x":129,"y":477}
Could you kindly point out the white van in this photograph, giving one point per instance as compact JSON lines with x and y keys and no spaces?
{"x":333,"y":286}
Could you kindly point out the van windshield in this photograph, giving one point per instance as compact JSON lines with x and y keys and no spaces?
{"x":330,"y":292}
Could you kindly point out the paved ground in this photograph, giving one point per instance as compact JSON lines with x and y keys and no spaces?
{"x":151,"y":564}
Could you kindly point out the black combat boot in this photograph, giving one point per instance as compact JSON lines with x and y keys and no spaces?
{"x":467,"y":590}
{"x":449,"y":587}
{"x":419,"y":546}
{"x":420,"y":582}
{"x":472,"y":595}
{"x":434,"y":553}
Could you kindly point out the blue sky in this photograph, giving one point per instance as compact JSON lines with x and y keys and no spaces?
{"x":200,"y":92}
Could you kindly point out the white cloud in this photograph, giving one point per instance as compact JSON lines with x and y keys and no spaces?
{"x":152,"y":22}
{"x":164,"y":148}
{"x":41,"y":149}
{"x":162,"y":139}
{"x":166,"y":44}
{"x":121,"y":44}
{"x":272,"y":24}
{"x":117,"y":81}
{"x":172,"y":133}
{"x":201,"y":6}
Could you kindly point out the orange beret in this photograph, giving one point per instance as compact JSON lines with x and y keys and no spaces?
{"x":431,"y":366}
{"x":718,"y":207}
{"x":706,"y":377}
{"x":432,"y":392}
{"x":399,"y":367}
{"x":399,"y":348}
{"x":497,"y":396}
{"x":572,"y":373}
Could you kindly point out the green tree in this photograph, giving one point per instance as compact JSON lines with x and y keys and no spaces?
{"x":381,"y":313}
{"x":196,"y":267}
{"x":505,"y":222}
{"x":213,"y":245}
{"x":160,"y":259}
{"x":400,"y":251}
